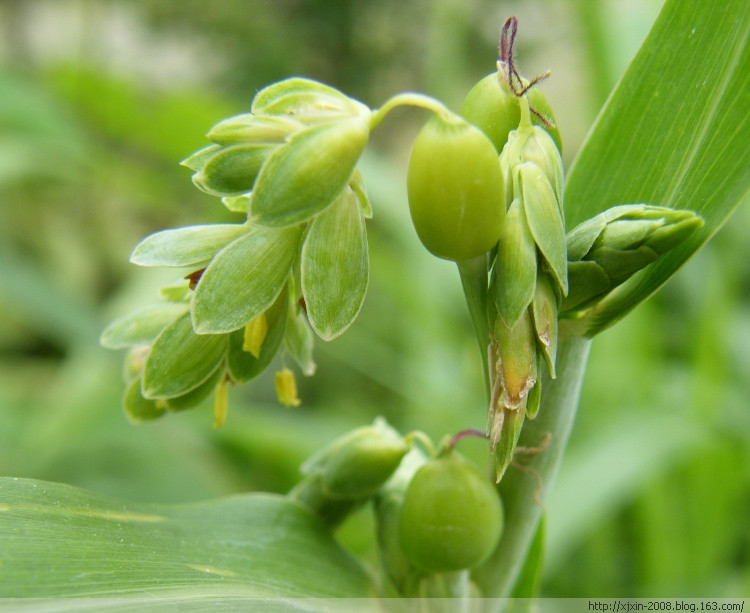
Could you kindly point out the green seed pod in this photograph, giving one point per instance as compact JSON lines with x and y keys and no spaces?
{"x":451,"y":518}
{"x":455,"y":187}
{"x":493,"y":107}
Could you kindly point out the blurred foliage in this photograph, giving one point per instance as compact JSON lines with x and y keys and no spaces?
{"x":99,"y":100}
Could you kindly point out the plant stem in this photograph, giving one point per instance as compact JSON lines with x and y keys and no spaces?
{"x":520,"y":488}
{"x":415,"y":99}
{"x":473,"y":274}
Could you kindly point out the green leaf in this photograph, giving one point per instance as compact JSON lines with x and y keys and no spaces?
{"x":514,"y":273}
{"x":673,"y":133}
{"x":304,"y":176}
{"x":545,"y":223}
{"x":180,"y":360}
{"x":243,"y":365}
{"x":189,"y":246}
{"x":335,"y":266}
{"x":142,"y":326}
{"x":233,"y":170}
{"x":59,"y":541}
{"x":244,"y":279}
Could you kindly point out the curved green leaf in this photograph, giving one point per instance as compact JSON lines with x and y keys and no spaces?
{"x":335,"y":266}
{"x":142,"y":326}
{"x":59,"y":541}
{"x":180,"y":360}
{"x":244,"y":279}
{"x":188,"y":246}
{"x":675,"y":132}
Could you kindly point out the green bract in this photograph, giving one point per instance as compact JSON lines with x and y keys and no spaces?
{"x":180,"y":360}
{"x":456,"y":189}
{"x":334,"y":266}
{"x":244,"y":279}
{"x":189,"y":246}
{"x":451,"y":517}
{"x":305,"y":175}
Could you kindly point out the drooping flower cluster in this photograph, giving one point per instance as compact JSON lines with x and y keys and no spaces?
{"x":298,"y":261}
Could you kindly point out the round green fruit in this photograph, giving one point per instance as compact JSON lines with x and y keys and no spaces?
{"x":491,"y":106}
{"x":456,"y":189}
{"x":451,"y":517}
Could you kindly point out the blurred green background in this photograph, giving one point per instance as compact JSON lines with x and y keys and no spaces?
{"x":99,"y":100}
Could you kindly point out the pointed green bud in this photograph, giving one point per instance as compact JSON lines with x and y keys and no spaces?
{"x":248,"y":128}
{"x":455,"y":187}
{"x":356,"y":465}
{"x":514,"y":273}
{"x":545,"y":222}
{"x":608,"y":249}
{"x":544,"y":314}
{"x":516,"y":363}
{"x":306,"y":174}
{"x":510,"y":431}
{"x":233,"y":170}
{"x":196,"y":161}
{"x":342,"y":476}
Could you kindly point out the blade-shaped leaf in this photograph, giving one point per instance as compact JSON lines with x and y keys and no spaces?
{"x":142,"y":326}
{"x":180,"y":360}
{"x":675,"y":132}
{"x":305,"y":175}
{"x":60,"y":541}
{"x":242,"y":364}
{"x":188,"y":246}
{"x":335,"y":266}
{"x":244,"y":279}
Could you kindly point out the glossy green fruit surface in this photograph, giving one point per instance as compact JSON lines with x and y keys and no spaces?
{"x":456,"y":189}
{"x":451,"y":517}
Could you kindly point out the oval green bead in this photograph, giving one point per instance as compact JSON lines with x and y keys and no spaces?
{"x":456,"y":189}
{"x":495,"y":110}
{"x":451,"y":517}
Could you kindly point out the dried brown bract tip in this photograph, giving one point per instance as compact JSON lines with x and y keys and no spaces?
{"x":506,"y":63}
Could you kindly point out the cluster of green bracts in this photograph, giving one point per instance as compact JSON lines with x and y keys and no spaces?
{"x":298,"y":261}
